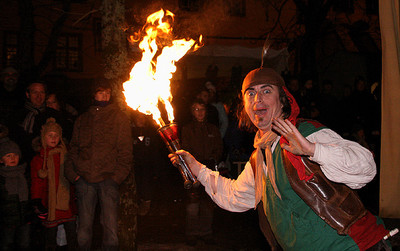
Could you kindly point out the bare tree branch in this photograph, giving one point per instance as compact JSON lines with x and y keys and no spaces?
{"x":84,"y":16}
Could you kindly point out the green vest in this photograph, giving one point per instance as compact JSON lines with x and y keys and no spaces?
{"x":295,"y":225}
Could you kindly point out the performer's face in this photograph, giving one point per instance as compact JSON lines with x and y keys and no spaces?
{"x":262,"y":104}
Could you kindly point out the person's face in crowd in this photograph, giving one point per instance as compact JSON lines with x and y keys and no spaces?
{"x":52,"y":139}
{"x":361,"y":134}
{"x":308,"y":84}
{"x":103,"y":95}
{"x":204,"y":95}
{"x":360,"y":86}
{"x":294,"y":85}
{"x":10,"y":80}
{"x":36,"y":94}
{"x":262,"y":104}
{"x":52,"y":102}
{"x":10,"y":159}
{"x":211,"y":96}
{"x":199,"y":112}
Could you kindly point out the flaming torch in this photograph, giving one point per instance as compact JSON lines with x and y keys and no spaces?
{"x":149,"y":82}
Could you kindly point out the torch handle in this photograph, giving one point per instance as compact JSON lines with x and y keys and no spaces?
{"x":189,"y":173}
{"x":169,"y":134}
{"x":187,"y":183}
{"x":175,"y":146}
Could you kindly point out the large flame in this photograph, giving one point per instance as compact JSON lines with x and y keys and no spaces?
{"x":149,"y":81}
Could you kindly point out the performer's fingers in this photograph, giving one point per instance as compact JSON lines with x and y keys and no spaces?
{"x":278,"y":126}
{"x":286,"y":124}
{"x":173,"y":158}
{"x":294,"y":129}
{"x":282,"y":125}
{"x":289,"y":124}
{"x":277,"y":129}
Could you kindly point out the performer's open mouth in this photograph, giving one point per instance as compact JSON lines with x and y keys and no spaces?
{"x":260,"y":111}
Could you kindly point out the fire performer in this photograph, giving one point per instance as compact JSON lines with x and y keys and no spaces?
{"x":300,"y":176}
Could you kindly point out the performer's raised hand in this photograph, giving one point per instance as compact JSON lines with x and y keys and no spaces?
{"x":193,"y":164}
{"x":298,"y":144}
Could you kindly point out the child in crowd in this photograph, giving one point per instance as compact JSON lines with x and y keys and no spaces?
{"x":15,"y":210}
{"x":50,"y":191}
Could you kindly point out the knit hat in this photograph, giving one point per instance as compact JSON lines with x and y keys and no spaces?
{"x":3,"y":133}
{"x":9,"y":70}
{"x":9,"y":146}
{"x":262,"y":76}
{"x":101,"y":84}
{"x":50,"y":126}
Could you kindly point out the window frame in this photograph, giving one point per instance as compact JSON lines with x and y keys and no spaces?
{"x":6,"y":60}
{"x":69,"y":49}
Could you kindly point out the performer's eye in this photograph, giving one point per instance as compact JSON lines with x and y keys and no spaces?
{"x":251,"y":93}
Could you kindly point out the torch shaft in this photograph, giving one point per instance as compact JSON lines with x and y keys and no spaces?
{"x":169,"y":133}
{"x":187,"y":169}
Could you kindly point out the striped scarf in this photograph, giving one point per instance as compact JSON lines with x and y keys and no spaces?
{"x":29,"y":120}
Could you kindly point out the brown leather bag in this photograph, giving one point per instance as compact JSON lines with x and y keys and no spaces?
{"x":338,"y":205}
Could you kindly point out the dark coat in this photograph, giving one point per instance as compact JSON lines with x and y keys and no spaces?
{"x":13,"y":212}
{"x":204,"y":141}
{"x":101,"y":146}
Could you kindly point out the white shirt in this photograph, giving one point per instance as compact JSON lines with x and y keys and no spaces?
{"x":341,"y":161}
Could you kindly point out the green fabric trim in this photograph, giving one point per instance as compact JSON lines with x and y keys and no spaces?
{"x":307,"y":127}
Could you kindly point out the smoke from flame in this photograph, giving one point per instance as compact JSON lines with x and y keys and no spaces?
{"x":149,"y":81}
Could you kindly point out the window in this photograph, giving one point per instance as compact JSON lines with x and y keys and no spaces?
{"x":189,"y":5}
{"x":10,"y":48}
{"x":236,"y":8}
{"x":69,"y":53}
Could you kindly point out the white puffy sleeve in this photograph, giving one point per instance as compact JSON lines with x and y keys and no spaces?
{"x":342,"y":160}
{"x":232,"y":195}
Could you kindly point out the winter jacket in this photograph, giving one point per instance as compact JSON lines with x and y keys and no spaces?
{"x":204,"y":141}
{"x":40,"y":189}
{"x":14,"y":211}
{"x":101,"y":146}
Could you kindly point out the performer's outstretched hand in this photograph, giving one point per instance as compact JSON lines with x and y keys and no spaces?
{"x":298,"y":144}
{"x":193,"y":164}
